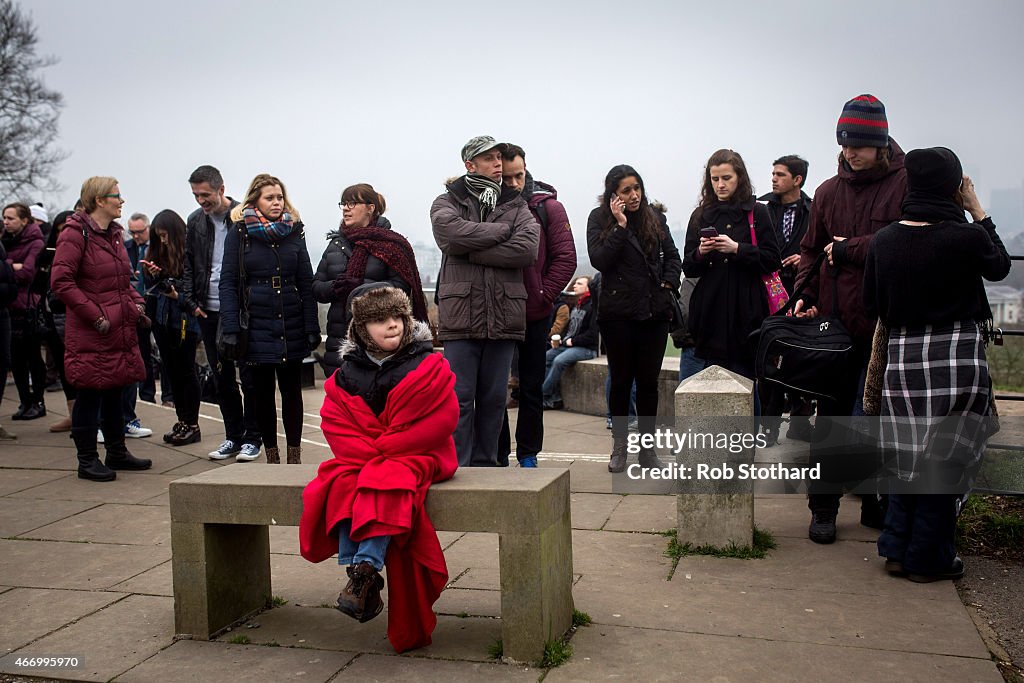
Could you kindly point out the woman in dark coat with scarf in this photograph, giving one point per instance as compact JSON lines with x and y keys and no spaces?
{"x":630,"y":243}
{"x":923,"y":279}
{"x":364,"y":249}
{"x":24,"y":243}
{"x":93,"y":278}
{"x":729,"y":300}
{"x":267,"y":313}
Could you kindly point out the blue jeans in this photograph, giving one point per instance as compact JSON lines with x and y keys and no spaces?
{"x":556,"y":362}
{"x":370,"y":550}
{"x":689,"y":364}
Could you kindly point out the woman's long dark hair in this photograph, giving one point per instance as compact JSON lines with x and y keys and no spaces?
{"x":643,"y":220}
{"x":169,"y":253}
{"x":744,"y":190}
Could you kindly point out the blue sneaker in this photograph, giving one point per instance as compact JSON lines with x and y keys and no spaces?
{"x":530,"y":461}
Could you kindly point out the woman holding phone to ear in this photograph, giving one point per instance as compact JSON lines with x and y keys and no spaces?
{"x":630,"y":243}
{"x":729,"y":301}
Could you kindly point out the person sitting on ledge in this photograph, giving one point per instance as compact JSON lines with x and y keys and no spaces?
{"x":579,"y":343}
{"x":388,"y":417}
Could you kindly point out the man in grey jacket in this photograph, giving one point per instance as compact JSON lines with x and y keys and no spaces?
{"x":487,"y":235}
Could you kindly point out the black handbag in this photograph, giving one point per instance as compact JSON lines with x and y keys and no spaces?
{"x":810,"y":356}
{"x":678,"y":321}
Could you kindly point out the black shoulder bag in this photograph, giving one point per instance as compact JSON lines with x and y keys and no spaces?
{"x":678,"y":321}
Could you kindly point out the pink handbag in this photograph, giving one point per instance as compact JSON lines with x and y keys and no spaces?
{"x":777,"y":295}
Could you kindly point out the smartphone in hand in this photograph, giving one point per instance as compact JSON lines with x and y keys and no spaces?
{"x":708,"y":233}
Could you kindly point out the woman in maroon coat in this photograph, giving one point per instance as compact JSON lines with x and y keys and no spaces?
{"x":92,"y":276}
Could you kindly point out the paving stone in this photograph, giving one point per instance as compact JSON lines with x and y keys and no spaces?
{"x":920,"y":625}
{"x":130,"y":487}
{"x":592,"y":510}
{"x":78,"y":566}
{"x":789,"y":517}
{"x":474,"y":550}
{"x":790,"y":566}
{"x":590,"y":477}
{"x":195,"y":466}
{"x":284,"y":540}
{"x":604,"y":652}
{"x":328,"y":629}
{"x":162,"y":500}
{"x":477,"y":603}
{"x":156,"y":581}
{"x":28,"y":613}
{"x":42,"y":456}
{"x":19,"y":517}
{"x":408,"y":669}
{"x":644,"y":513}
{"x":447,"y":538}
{"x":12,"y":480}
{"x":165,"y":458}
{"x":304,"y":583}
{"x":613,"y":556}
{"x":189,"y":660}
{"x":480,"y":579}
{"x":113,"y":523}
{"x":111,"y":641}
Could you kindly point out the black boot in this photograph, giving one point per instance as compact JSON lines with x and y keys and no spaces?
{"x":648,"y":459}
{"x":617,"y":461}
{"x":89,"y":464}
{"x":118,"y":455}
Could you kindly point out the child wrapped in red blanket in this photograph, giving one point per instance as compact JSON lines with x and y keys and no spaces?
{"x":388,"y":417}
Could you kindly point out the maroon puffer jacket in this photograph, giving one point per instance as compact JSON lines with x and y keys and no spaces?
{"x":93,"y":278}
{"x":556,"y":254}
{"x":25,"y":249}
{"x":854,"y":206}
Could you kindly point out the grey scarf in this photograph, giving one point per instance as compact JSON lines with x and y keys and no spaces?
{"x":485,"y":190}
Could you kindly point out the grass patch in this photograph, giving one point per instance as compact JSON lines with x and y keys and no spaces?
{"x":763,"y":542}
{"x":240,"y":640}
{"x":278,"y":601}
{"x":496,"y":650}
{"x":992,"y":526}
{"x":556,"y":653}
{"x":462,"y":615}
{"x":272,"y":643}
{"x":581,"y":618}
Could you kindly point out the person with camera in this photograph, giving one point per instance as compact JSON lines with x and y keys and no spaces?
{"x":267,"y":311}
{"x":92,"y":276}
{"x":175,"y":328}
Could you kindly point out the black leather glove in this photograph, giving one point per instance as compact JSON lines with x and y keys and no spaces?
{"x":227,"y":347}
{"x":313,"y":341}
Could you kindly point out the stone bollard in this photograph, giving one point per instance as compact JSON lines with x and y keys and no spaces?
{"x":723,"y":511}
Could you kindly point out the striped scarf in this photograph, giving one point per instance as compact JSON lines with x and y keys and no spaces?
{"x":258,"y":226}
{"x":485,"y":190}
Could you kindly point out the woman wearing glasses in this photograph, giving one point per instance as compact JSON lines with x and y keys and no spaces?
{"x":267,"y":314}
{"x":363,"y":249}
{"x":92,"y":276}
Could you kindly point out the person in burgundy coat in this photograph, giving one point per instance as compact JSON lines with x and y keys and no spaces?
{"x":92,"y":276}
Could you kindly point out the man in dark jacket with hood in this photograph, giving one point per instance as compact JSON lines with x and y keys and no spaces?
{"x":544,"y":280}
{"x":848,"y":210}
{"x":487,"y":236}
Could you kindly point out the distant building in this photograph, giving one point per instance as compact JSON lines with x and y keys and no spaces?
{"x":1006,"y":303}
{"x":1007,"y":209}
{"x":428,"y":260}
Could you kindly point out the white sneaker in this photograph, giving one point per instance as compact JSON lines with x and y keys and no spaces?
{"x":226,"y":449}
{"x":99,"y":436}
{"x":249,"y":452}
{"x":135,"y":430}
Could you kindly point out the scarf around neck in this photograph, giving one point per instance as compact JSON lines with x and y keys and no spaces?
{"x":485,"y":190}
{"x":260,"y":227}
{"x":928,"y":208}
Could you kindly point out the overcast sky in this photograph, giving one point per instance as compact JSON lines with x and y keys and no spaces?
{"x":327,"y":94}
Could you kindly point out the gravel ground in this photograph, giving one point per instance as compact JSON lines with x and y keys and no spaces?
{"x":996,"y":589}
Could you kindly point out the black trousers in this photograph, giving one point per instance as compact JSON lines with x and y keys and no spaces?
{"x":259,"y":381}
{"x":147,"y":387}
{"x":27,"y":364}
{"x":635,"y":352}
{"x":239,"y":416}
{"x":530,"y":424}
{"x":56,"y":344}
{"x":179,"y":363}
{"x":95,"y":407}
{"x":5,"y":348}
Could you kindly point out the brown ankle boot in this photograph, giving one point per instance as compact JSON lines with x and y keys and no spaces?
{"x":361,"y":597}
{"x":295,"y":455}
{"x":274,"y":456}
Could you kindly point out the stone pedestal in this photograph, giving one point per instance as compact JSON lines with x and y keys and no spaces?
{"x":715,"y":511}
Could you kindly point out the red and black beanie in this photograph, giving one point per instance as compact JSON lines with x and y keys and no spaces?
{"x":863,"y":123}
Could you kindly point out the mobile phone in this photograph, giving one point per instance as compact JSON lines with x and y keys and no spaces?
{"x":708,"y":233}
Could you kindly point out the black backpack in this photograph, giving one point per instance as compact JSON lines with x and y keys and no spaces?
{"x":810,"y":356}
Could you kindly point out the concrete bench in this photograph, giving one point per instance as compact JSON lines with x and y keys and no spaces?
{"x":220,"y":542}
{"x":583,"y":386}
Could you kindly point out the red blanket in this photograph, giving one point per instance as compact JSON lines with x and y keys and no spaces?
{"x":379,"y":477}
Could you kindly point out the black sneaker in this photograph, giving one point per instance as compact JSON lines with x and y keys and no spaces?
{"x":823,"y":527}
{"x":800,"y":428}
{"x":955,"y":572}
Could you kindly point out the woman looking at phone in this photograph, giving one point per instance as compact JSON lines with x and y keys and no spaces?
{"x":729,"y":301}
{"x":176,"y":330}
{"x":629,"y":242}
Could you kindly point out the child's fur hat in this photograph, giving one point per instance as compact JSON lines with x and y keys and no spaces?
{"x":373,"y":302}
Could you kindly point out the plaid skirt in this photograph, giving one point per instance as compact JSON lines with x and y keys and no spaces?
{"x":935,"y":400}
